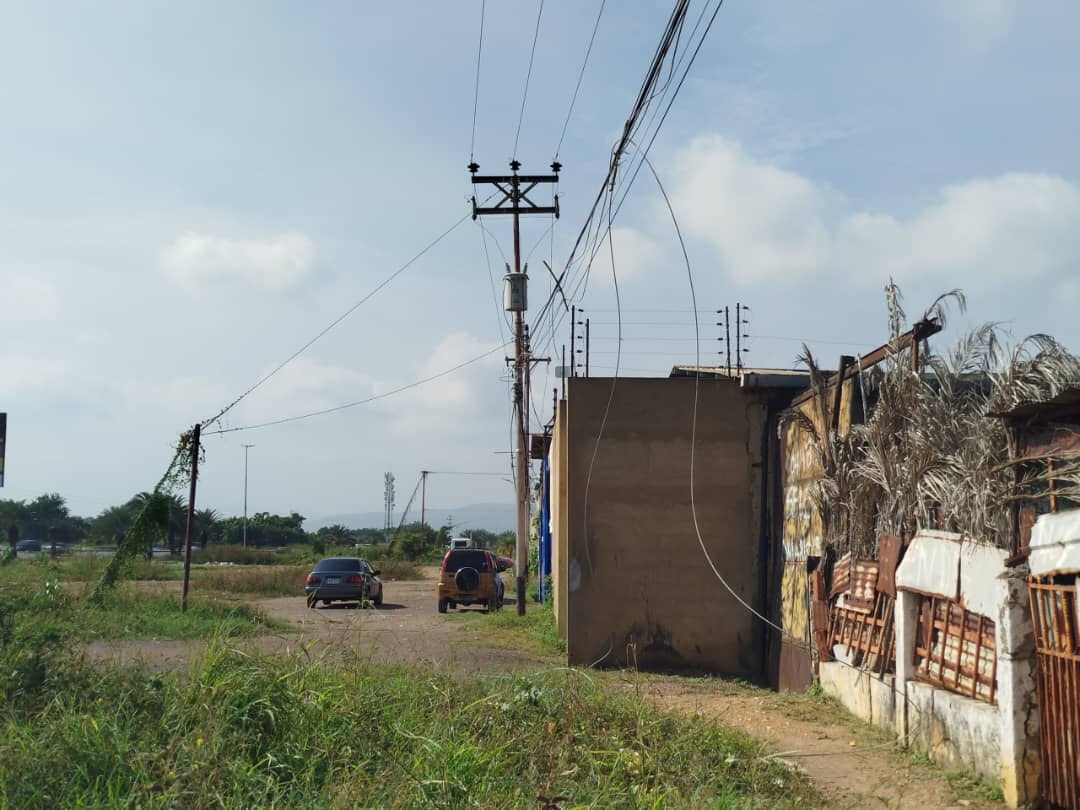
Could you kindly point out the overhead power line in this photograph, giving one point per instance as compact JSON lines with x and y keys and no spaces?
{"x":528,"y":76}
{"x":375,"y":291}
{"x":586,"y":236}
{"x":581,"y":75}
{"x":365,"y":401}
{"x":476,"y":92}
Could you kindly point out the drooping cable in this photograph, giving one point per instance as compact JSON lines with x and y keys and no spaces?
{"x":693,"y":423}
{"x":607,"y":407}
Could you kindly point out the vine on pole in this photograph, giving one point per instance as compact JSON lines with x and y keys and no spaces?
{"x":153,"y":516}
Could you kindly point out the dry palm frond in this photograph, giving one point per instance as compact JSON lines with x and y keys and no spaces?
{"x":927,"y":455}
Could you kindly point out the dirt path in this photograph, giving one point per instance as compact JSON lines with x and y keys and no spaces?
{"x":854,"y":766}
{"x":406,"y":629}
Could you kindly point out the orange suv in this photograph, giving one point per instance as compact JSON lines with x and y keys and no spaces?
{"x":470,"y":576}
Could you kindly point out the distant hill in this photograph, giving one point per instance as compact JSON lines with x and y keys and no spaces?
{"x":495,"y":517}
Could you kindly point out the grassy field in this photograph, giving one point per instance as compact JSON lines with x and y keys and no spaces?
{"x":535,"y":632}
{"x":289,"y":731}
{"x":43,"y":604}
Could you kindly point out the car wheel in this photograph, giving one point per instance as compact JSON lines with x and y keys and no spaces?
{"x":492,"y":605}
{"x":453,"y":605}
{"x":325,"y":602}
{"x":442,"y":606}
{"x":377,"y":601}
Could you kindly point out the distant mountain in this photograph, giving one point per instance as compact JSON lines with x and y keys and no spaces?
{"x":495,"y":517}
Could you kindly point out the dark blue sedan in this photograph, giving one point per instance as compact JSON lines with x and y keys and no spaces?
{"x":343,"y":579}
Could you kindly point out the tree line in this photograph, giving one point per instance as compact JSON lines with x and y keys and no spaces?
{"x":47,"y":518}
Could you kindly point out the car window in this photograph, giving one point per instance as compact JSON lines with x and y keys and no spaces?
{"x":339,"y":564}
{"x":465,"y":558}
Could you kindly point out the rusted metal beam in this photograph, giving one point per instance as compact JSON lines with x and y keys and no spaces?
{"x":920,"y":331}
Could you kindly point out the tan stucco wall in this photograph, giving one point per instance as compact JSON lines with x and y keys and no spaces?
{"x":638,"y":587}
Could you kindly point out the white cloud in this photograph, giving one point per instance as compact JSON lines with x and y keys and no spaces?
{"x":197,"y":258}
{"x":459,"y":399}
{"x":763,"y":221}
{"x":982,"y":21}
{"x":29,"y":301}
{"x":768,"y":223}
{"x":636,"y":254}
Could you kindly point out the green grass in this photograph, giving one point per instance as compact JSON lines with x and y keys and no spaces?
{"x":288,"y":731}
{"x":534,"y":632}
{"x":43,"y":611}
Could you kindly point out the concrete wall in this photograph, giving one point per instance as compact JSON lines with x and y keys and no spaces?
{"x":639,"y":589}
{"x":870,"y":697}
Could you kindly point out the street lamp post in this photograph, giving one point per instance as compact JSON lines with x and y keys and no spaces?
{"x":246,"y":448}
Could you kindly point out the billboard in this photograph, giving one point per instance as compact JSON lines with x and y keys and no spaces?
{"x":3,"y":441}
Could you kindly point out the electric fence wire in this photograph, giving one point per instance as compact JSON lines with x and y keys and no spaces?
{"x":581,"y":75}
{"x":216,"y":418}
{"x":365,"y":401}
{"x":476,"y":91}
{"x":528,"y":76}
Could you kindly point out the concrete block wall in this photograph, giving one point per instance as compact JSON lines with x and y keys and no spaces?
{"x":868,"y":696}
{"x":1000,"y":742}
{"x":640,"y":590}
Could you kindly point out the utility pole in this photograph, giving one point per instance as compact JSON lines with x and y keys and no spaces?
{"x":515,"y":201}
{"x":726,"y":338}
{"x":740,"y":310}
{"x":585,"y":323}
{"x":246,"y":448}
{"x":190,"y":514}
{"x":573,"y":340}
{"x":564,"y":371}
{"x":388,"y":503}
{"x":423,"y":498}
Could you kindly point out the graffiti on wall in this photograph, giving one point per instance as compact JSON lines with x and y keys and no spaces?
{"x":803,"y":528}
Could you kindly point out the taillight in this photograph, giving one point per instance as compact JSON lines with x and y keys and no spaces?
{"x":355,"y":579}
{"x":313,"y":579}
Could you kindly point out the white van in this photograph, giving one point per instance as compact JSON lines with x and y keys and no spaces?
{"x":461,"y":542}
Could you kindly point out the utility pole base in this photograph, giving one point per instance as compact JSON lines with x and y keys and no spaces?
{"x":521,"y":596}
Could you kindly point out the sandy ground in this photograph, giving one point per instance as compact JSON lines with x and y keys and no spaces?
{"x":854,"y":768}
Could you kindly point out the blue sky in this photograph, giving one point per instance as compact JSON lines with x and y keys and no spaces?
{"x":192,"y":191}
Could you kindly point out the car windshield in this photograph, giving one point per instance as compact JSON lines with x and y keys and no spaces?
{"x":465,"y":558}
{"x":341,"y":564}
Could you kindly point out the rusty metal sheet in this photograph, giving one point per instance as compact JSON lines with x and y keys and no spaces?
{"x":1035,"y":443}
{"x":841,"y":576}
{"x":1057,"y":651}
{"x":888,"y":554}
{"x":817,"y":585}
{"x":863,"y":589}
{"x":822,"y":619}
{"x":796,"y":668}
